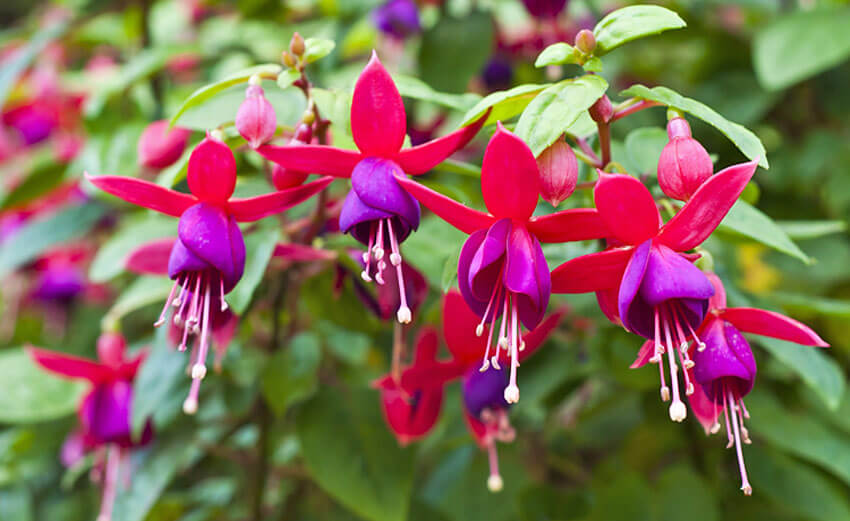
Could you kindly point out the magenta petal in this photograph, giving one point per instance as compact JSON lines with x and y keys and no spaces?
{"x":73,"y":449}
{"x":726,"y":362}
{"x":669,"y":275}
{"x":630,"y":285}
{"x":255,"y":208}
{"x":144,"y":193}
{"x":707,"y":207}
{"x":461,"y":217}
{"x":646,"y":351}
{"x":510,"y":179}
{"x":151,"y":258}
{"x":527,"y":276}
{"x":774,"y":325}
{"x":422,"y":158}
{"x":578,"y":224}
{"x":314,"y":159}
{"x":467,"y":254}
{"x":626,"y":207}
{"x":375,"y":181}
{"x":105,"y":412}
{"x":378,"y":120}
{"x":487,"y":264}
{"x":209,"y":239}
{"x":358,"y":218}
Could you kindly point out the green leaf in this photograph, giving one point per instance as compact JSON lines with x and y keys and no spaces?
{"x":799,"y":435}
{"x":455,"y":50}
{"x":747,"y":142}
{"x":31,"y":394}
{"x":558,"y":54}
{"x":432,"y":247}
{"x":158,"y":382}
{"x":364,"y":468}
{"x":135,"y":231}
{"x":643,"y":148}
{"x":449,"y":277}
{"x":807,"y":303}
{"x":221,"y":109}
{"x":680,"y":489}
{"x":411,"y":87}
{"x":259,"y":247}
{"x":197,"y":98}
{"x":800,"y":45}
{"x":800,"y":230}
{"x":287,"y":78}
{"x":552,"y":112}
{"x":795,"y":486}
{"x":291,"y":375}
{"x":43,"y":178}
{"x":16,"y":503}
{"x":819,"y":371}
{"x":317,"y":48}
{"x":748,"y":221}
{"x":23,"y":57}
{"x":40,"y":234}
{"x":505,"y":104}
{"x":144,"y":291}
{"x":631,"y":23}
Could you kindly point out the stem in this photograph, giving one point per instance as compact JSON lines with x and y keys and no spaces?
{"x":604,"y":142}
{"x":155,"y":79}
{"x":631,"y":108}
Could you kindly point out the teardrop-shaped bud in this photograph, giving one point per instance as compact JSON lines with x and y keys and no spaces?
{"x":159,"y":146}
{"x":110,"y":348}
{"x":256,"y":120}
{"x":558,"y":172}
{"x":212,"y":171}
{"x":684,"y":164}
{"x":602,"y":110}
{"x":283,"y":178}
{"x":585,"y":41}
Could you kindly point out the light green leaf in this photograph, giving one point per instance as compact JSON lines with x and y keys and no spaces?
{"x":505,"y":104}
{"x":449,"y":278}
{"x":291,"y":375}
{"x":365,"y":469}
{"x":748,"y":221}
{"x":552,"y":112}
{"x":747,"y":142}
{"x":800,"y":45}
{"x":317,"y":48}
{"x":41,"y":233}
{"x":411,"y":87}
{"x":558,"y":54}
{"x":31,"y":394}
{"x":158,"y":383}
{"x":800,"y":230}
{"x":287,"y":78}
{"x":144,"y":291}
{"x":23,"y":57}
{"x":817,"y":369}
{"x":631,"y":23}
{"x":454,"y":50}
{"x":134,"y":231}
{"x":221,"y":108}
{"x":643,"y":148}
{"x":259,"y":247}
{"x":269,"y":71}
{"x":811,"y":304}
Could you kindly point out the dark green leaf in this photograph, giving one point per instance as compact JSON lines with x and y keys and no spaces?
{"x":411,"y":87}
{"x":631,"y":23}
{"x":799,"y":230}
{"x":800,"y":45}
{"x":818,"y":370}
{"x":259,"y":247}
{"x":748,"y":221}
{"x":291,"y":375}
{"x":158,"y":382}
{"x":505,"y":104}
{"x":363,"y":468}
{"x":31,"y":394}
{"x":746,"y":141}
{"x":455,"y":50}
{"x":134,"y":232}
{"x":552,"y":112}
{"x":680,"y":489}
{"x":643,"y":148}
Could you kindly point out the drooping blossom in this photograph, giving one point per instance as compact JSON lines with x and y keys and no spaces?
{"x":645,"y":280}
{"x":684,"y":164}
{"x":485,"y":407}
{"x":502,"y":273}
{"x":256,"y":120}
{"x":208,"y":259}
{"x":397,"y":18}
{"x":160,"y":146}
{"x":105,"y":411}
{"x":377,"y":212}
{"x":725,"y":369}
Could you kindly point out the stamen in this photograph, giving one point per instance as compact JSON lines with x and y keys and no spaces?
{"x":730,"y":440}
{"x":494,"y":481}
{"x":110,"y":482}
{"x":379,"y":277}
{"x":659,"y":349}
{"x":678,"y":411}
{"x":221,"y":293}
{"x":378,"y":249}
{"x":161,"y":320}
{"x":367,"y":257}
{"x":512,"y":390}
{"x":485,"y":364}
{"x":745,"y":483}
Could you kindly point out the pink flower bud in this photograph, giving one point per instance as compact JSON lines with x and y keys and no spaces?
{"x":110,"y":349}
{"x":558,"y":172}
{"x":159,"y":146}
{"x":283,"y":178}
{"x":256,"y":120}
{"x":684,"y":164}
{"x":585,"y":41}
{"x":602,"y":110}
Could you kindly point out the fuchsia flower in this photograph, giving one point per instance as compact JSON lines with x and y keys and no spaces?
{"x":256,"y":120}
{"x":558,"y":172}
{"x":208,"y":258}
{"x":105,"y":411}
{"x":417,"y":395}
{"x":501,"y":271}
{"x":160,"y":147}
{"x":684,"y":164}
{"x":659,"y":293}
{"x":377,"y":212}
{"x":725,"y":369}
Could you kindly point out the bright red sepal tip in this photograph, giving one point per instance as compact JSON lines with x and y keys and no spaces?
{"x":378,"y":126}
{"x":510,"y":186}
{"x":627,"y":208}
{"x":173,"y":203}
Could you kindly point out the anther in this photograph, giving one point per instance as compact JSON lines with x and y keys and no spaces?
{"x":665,"y":394}
{"x":512,"y":394}
{"x":199,"y":371}
{"x":395,"y":259}
{"x":404,"y":315}
{"x":190,"y":406}
{"x":678,"y":411}
{"x":485,"y":365}
{"x":495,"y":483}
{"x":365,"y":276}
{"x":479,"y":330}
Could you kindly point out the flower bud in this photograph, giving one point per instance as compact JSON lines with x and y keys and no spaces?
{"x":296,"y":45}
{"x":558,"y":172}
{"x":283,"y":178}
{"x":110,"y":348}
{"x":159,"y":146}
{"x":256,"y":120}
{"x":684,"y":164}
{"x":585,"y":41}
{"x":602,"y":110}
{"x":287,"y":59}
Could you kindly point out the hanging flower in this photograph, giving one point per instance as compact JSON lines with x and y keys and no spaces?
{"x":160,"y":146}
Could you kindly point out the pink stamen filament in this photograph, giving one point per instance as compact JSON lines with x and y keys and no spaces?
{"x":687,"y":363}
{"x":367,"y":255}
{"x":110,"y":482}
{"x":678,"y":411}
{"x":161,"y":320}
{"x":403,"y":314}
{"x":745,"y":484}
{"x":221,"y":293}
{"x":512,"y":390}
{"x":494,"y":481}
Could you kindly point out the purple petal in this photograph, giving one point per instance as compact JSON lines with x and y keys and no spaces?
{"x":357,"y":218}
{"x":467,"y":253}
{"x":669,"y":275}
{"x":484,"y":390}
{"x":527,"y":275}
{"x":634,"y":317}
{"x":486,"y":266}
{"x":726,"y":362}
{"x":210,"y":239}
{"x":374,"y":181}
{"x":105,"y":412}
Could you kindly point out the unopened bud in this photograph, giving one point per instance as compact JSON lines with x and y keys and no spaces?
{"x":684,"y":164}
{"x":558,"y":172}
{"x":602,"y":110}
{"x":287,"y":59}
{"x":110,"y":349}
{"x":303,"y":133}
{"x":283,"y":178}
{"x":296,"y":44}
{"x":585,"y":41}
{"x":308,"y":118}
{"x":256,"y":120}
{"x":159,"y":146}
